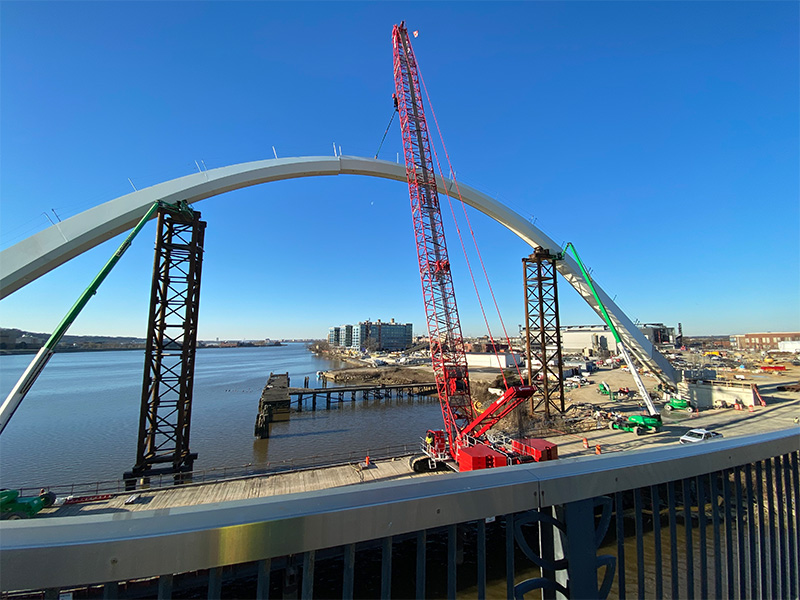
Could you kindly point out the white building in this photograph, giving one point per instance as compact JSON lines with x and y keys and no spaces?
{"x":502,"y":360}
{"x":577,"y":338}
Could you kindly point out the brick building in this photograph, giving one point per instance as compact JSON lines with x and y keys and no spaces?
{"x":763,"y":341}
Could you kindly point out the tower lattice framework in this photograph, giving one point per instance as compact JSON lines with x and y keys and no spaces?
{"x":542,"y":332}
{"x":166,"y":407}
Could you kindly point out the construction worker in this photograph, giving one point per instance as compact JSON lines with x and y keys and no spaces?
{"x":429,"y":439}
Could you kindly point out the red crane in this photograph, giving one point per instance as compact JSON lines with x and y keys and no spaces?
{"x":464,"y":426}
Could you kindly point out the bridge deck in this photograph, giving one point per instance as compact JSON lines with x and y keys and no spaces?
{"x":240,"y":489}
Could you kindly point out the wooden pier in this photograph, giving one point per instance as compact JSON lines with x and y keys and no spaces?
{"x":352,"y":392}
{"x":277,"y":398}
{"x":273,"y":404}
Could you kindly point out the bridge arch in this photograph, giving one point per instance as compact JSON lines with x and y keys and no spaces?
{"x":42,"y":252}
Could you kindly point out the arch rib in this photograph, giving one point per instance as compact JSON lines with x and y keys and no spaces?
{"x":42,"y":252}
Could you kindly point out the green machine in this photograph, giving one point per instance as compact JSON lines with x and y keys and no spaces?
{"x":13,"y":506}
{"x":637,"y":424}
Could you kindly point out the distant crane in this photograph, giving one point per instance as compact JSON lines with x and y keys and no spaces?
{"x":463,"y":438}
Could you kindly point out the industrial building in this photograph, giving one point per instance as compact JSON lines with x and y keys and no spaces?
{"x":501,"y":360}
{"x":763,"y":341}
{"x":595,"y":338}
{"x":370,"y":336}
{"x":658,"y":333}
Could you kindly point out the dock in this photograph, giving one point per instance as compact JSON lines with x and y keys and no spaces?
{"x":273,"y":405}
{"x":277,"y":398}
{"x":365,"y":392}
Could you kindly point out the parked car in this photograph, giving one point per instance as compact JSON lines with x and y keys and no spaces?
{"x":699,"y":435}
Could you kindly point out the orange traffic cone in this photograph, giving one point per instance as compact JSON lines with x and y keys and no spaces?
{"x":597,"y":449}
{"x":366,"y":462}
{"x":750,"y":408}
{"x":585,"y":443}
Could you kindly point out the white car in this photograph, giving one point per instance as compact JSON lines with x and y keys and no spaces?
{"x":699,"y":435}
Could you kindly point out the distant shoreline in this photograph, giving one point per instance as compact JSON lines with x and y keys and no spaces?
{"x":73,"y":350}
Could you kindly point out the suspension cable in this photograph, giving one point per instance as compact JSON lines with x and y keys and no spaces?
{"x":472,"y":233}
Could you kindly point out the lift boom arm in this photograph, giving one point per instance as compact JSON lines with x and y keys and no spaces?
{"x":623,"y":350}
{"x":31,"y":374}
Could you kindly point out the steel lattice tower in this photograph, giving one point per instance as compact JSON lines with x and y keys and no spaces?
{"x":166,"y":408}
{"x":542,"y":331}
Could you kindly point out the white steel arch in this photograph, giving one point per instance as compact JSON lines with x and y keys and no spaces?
{"x":40,"y":253}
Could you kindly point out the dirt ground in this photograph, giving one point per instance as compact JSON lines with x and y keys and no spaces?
{"x":387,"y":375}
{"x":781,"y":410}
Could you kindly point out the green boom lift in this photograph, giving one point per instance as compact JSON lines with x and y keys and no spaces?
{"x":635,"y":423}
{"x":20,"y":390}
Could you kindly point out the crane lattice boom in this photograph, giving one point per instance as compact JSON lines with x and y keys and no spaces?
{"x":444,"y":329}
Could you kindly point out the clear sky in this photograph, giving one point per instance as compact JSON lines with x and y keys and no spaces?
{"x":660,"y":138}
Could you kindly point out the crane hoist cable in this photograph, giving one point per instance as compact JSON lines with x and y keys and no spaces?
{"x":474,"y":241}
{"x":464,"y":424}
{"x":394,"y":112}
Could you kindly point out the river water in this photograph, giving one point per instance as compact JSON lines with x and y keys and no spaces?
{"x":79,"y":422}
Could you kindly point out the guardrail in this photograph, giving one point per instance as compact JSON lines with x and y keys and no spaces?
{"x":713,"y":519}
{"x":212,"y":474}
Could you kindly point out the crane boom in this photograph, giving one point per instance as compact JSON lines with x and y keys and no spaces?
{"x":448,"y":356}
{"x":464,"y":425}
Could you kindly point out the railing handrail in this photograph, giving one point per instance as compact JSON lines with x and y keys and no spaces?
{"x":115,"y":547}
{"x":214,"y":474}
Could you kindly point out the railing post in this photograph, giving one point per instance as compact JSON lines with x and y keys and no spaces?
{"x":309,"y":558}
{"x":262,"y":585}
{"x":111,"y":591}
{"x":215,"y":583}
{"x":620,"y":528}
{"x":580,"y":549}
{"x":349,"y":571}
{"x":481,"y":559}
{"x":386,"y":568}
{"x":165,"y":587}
{"x":422,"y":540}
{"x":452,"y":534}
{"x":510,"y":556}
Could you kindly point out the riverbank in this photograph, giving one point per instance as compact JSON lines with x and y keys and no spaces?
{"x":377,"y":375}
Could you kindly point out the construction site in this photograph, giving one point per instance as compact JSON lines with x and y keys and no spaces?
{"x":627,"y":395}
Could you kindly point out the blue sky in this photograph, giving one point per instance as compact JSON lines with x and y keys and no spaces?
{"x":660,"y":138}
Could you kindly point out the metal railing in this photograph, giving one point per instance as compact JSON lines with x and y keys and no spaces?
{"x":212,"y":474}
{"x":716,"y":519}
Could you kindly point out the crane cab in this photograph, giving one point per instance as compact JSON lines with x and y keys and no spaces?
{"x":436,"y":444}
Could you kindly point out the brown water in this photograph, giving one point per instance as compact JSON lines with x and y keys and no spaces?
{"x":79,"y":422}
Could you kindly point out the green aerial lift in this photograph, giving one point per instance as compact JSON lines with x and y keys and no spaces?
{"x":28,"y":378}
{"x":635,"y":423}
{"x":602,"y":388}
{"x":13,"y":506}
